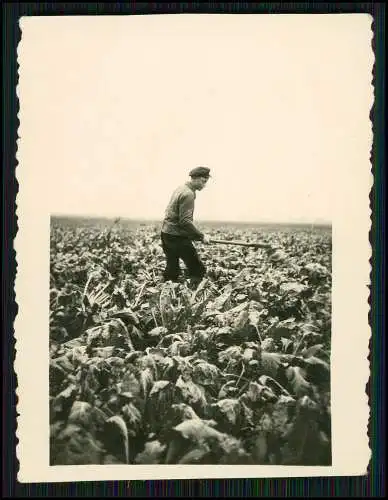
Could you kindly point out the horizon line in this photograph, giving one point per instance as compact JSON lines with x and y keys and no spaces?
{"x":198,"y":220}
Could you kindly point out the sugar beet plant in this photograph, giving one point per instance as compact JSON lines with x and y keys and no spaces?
{"x":235,"y":372}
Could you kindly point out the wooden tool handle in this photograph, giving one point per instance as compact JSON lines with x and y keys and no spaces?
{"x":240,"y":243}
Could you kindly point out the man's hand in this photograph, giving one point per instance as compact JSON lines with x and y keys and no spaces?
{"x":206,"y":240}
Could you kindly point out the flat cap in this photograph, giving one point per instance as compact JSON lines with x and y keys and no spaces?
{"x":200,"y":172}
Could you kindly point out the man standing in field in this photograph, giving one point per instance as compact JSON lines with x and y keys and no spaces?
{"x":178,"y":231}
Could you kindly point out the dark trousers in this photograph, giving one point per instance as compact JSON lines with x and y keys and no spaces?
{"x":175,"y":248}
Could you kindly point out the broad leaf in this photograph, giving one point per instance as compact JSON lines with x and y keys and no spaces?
{"x":147,"y":378}
{"x":195,"y":455}
{"x":259,"y":447}
{"x":81,"y":414}
{"x":116,"y":438}
{"x":220,"y":301}
{"x":241,"y":320}
{"x":312,"y":351}
{"x":191,"y":393}
{"x":133,"y":418}
{"x":283,"y":329}
{"x":152,"y":453}
{"x":270,"y":363}
{"x":75,"y":446}
{"x":197,"y":430}
{"x":130,"y":384}
{"x":159,"y":331}
{"x":229,"y":409}
{"x":180,"y":412}
{"x":267,"y":344}
{"x":63,"y":401}
{"x":230,"y":355}
{"x":127,"y":315}
{"x":205,"y":373}
{"x":299,"y":384}
{"x":159,"y":386}
{"x":294,"y":287}
{"x":254,"y":318}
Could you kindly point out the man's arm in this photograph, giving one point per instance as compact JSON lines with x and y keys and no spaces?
{"x":186,"y":211}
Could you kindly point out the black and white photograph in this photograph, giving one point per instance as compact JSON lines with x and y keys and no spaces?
{"x":198,"y":186}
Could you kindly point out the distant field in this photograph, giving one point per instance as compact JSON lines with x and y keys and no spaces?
{"x":70,"y":221}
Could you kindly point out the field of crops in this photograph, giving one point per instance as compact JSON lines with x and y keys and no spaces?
{"x":234,"y":372}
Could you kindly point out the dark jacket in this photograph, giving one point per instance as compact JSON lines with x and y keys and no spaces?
{"x":179,"y":213}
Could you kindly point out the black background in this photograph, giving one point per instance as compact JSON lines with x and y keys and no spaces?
{"x":372,"y":485}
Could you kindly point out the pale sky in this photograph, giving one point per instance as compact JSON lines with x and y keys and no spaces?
{"x":117,"y":110}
